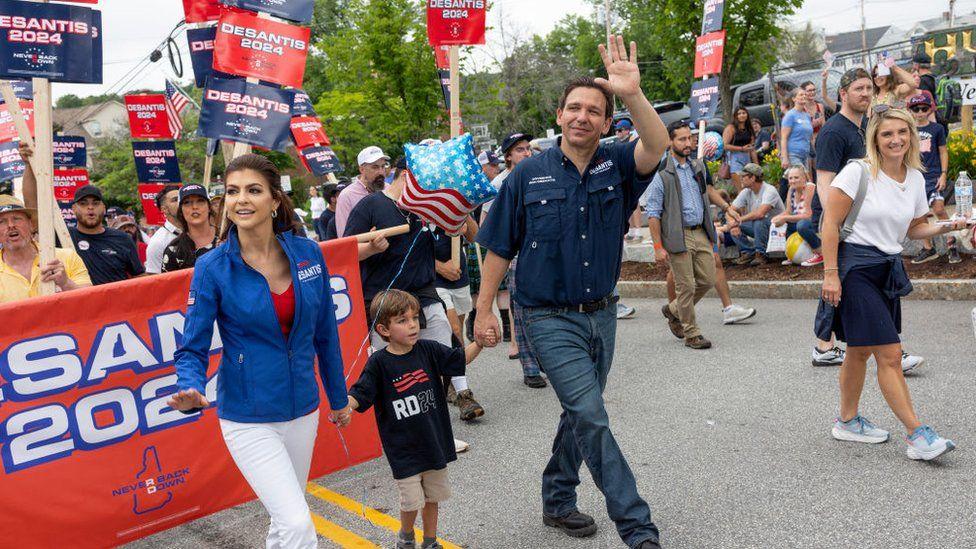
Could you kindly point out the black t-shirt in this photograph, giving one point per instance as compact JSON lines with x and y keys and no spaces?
{"x":322,"y":225}
{"x":110,"y":256}
{"x":379,"y":211}
{"x":927,"y":82}
{"x":411,"y":408}
{"x":838,"y":142}
{"x":930,"y":138}
{"x":182,"y":253}
{"x":442,"y":252}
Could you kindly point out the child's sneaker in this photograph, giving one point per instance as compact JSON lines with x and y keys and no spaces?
{"x":405,"y":542}
{"x":858,"y":429}
{"x":925,"y":444}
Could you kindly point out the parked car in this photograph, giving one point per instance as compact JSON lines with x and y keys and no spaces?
{"x":757,"y":97}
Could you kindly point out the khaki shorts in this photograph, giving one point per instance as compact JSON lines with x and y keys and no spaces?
{"x":430,"y":486}
{"x":458,"y":299}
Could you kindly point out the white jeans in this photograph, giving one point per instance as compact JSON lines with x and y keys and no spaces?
{"x":275,"y":459}
{"x":438,"y":329}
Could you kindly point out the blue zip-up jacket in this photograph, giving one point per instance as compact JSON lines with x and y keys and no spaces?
{"x":262,"y":376}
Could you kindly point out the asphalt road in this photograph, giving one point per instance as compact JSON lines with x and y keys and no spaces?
{"x":731,"y":447}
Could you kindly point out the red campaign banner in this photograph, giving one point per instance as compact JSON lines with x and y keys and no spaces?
{"x":249,"y":46}
{"x":67,"y":181}
{"x":442,"y":55}
{"x":81,"y":1}
{"x":307,"y":131}
{"x":708,"y":53}
{"x":147,"y":197}
{"x":147,"y":116}
{"x":201,"y":11}
{"x":86,"y":434}
{"x":8,"y":130}
{"x":456,"y":22}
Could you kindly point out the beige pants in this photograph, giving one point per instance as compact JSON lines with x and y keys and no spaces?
{"x":694,"y":275}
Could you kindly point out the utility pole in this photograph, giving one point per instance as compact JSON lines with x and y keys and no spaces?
{"x":952,"y":13}
{"x":864,"y":39}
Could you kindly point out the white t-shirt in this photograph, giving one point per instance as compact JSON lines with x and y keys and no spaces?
{"x":497,"y":183}
{"x":751,"y":201}
{"x":317,"y":204}
{"x":889,"y":207}
{"x":157,"y":246}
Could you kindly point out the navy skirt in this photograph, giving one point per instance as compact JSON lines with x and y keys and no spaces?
{"x":866,"y":316}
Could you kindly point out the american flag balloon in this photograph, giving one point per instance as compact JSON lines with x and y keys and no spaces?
{"x":445,"y":182}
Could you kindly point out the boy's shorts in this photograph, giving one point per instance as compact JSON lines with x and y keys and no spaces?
{"x":458,"y":299}
{"x":932,"y":193}
{"x":428,"y":487}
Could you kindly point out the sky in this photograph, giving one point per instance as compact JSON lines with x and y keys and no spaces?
{"x":132,"y":28}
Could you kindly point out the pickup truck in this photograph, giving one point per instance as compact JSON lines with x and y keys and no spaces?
{"x":757,"y":97}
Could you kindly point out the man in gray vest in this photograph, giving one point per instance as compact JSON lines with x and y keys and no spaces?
{"x":681,"y":226}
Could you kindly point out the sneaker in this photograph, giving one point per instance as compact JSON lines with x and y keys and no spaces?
{"x":758,"y":259}
{"x":785,"y":262}
{"x":536,"y":382}
{"x":734,"y":313}
{"x":624,"y":311}
{"x":924,"y":443}
{"x":924,"y":256}
{"x":744,"y":258}
{"x":858,"y":429}
{"x":954,"y":255}
{"x":575,"y":524}
{"x":432,"y":544}
{"x":649,"y":544}
{"x":470,"y":409}
{"x":698,"y":342}
{"x":817,"y":259}
{"x":673,"y":322}
{"x":404,"y":542}
{"x":910,"y":362}
{"x":831,"y":357}
{"x":460,"y":446}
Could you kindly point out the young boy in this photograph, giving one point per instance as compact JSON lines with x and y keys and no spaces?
{"x":935,"y":158}
{"x":403,"y":382}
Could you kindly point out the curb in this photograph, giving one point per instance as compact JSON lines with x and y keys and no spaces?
{"x":929,"y":289}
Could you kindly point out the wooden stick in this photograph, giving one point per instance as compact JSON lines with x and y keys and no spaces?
{"x":455,"y":87}
{"x":61,"y":228}
{"x":43,"y":165}
{"x":207,"y":171}
{"x":386,"y":233}
{"x":967,"y":118}
{"x":28,"y":193}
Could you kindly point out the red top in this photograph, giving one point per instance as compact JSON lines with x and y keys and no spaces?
{"x":284,"y":306}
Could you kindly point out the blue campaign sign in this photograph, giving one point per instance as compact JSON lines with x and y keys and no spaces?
{"x":704,"y":99}
{"x":23,"y":89}
{"x":320,"y":160}
{"x":294,"y":10}
{"x":201,"y":42}
{"x":303,"y":104}
{"x":235,"y":110}
{"x":11,"y":164}
{"x":54,"y":41}
{"x":156,"y":162}
{"x":712,"y":16}
{"x":70,"y":151}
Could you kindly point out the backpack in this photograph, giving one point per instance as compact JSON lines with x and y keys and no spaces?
{"x":948,"y":98}
{"x":862,"y":190}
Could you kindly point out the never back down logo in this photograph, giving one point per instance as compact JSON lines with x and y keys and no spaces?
{"x":152,"y":488}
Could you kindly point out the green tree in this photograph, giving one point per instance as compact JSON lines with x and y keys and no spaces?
{"x":801,"y":46}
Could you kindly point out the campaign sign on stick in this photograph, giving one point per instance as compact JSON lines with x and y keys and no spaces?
{"x":708,"y":53}
{"x":704,"y":99}
{"x":307,"y":130}
{"x":456,"y":22}
{"x":303,"y":104}
{"x":712,"y":17}
{"x":201,"y":11}
{"x":86,"y":433}
{"x":320,"y":160}
{"x":8,"y":130}
{"x":445,"y":78}
{"x":235,"y":110}
{"x":70,"y":151}
{"x":156,"y":162}
{"x":247,"y":45}
{"x":295,"y":10}
{"x":67,"y":181}
{"x":201,"y":43}
{"x":23,"y":89}
{"x":53,"y":41}
{"x":147,"y":197}
{"x":11,"y":164}
{"x":147,"y":116}
{"x":442,"y":57}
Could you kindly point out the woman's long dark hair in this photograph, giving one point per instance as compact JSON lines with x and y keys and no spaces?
{"x":748,"y":123}
{"x":285,"y":220}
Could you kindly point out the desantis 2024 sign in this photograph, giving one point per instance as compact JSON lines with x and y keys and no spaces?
{"x":456,"y":22}
{"x":54,"y":41}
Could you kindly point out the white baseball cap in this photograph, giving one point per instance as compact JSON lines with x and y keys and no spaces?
{"x":370,"y":155}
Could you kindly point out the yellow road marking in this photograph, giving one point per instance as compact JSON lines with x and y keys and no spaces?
{"x":370,"y":514}
{"x":340,"y":535}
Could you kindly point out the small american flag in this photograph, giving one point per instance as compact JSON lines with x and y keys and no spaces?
{"x":445,"y":182}
{"x":176,"y":103}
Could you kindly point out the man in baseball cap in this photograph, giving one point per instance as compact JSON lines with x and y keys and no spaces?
{"x":374,"y":166}
{"x":490,"y":164}
{"x":110,"y":255}
{"x":623,"y":129}
{"x":20,"y":271}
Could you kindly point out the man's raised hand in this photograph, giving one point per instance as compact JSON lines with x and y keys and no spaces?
{"x":623,"y":75}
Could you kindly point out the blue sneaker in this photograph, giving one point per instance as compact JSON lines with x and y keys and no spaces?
{"x":924,"y":443}
{"x":858,"y":429}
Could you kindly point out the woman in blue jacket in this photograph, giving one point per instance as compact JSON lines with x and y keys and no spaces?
{"x":269,"y":292}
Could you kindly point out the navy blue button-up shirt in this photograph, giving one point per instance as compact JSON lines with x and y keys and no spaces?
{"x":567,"y":229}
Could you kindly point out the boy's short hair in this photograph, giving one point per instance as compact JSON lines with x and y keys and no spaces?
{"x":391,"y":303}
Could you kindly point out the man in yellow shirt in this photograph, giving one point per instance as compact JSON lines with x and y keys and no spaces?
{"x":20,"y":273}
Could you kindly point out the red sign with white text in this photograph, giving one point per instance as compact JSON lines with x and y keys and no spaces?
{"x":307,"y":131}
{"x":450,"y":25}
{"x":201,"y":11}
{"x":91,"y":455}
{"x":8,"y":130}
{"x":708,"y":53}
{"x":147,"y":197}
{"x":249,"y":46}
{"x":67,"y":181}
{"x":147,"y":116}
{"x":442,"y":55}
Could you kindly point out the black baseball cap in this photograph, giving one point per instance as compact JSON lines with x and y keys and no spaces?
{"x":85,"y":192}
{"x":193,"y":190}
{"x":850,"y":76}
{"x":922,"y":58}
{"x":512,"y":139}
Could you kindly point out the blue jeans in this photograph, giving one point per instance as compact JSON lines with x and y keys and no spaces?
{"x":808,"y":231}
{"x":575,"y":350}
{"x":754,"y":237}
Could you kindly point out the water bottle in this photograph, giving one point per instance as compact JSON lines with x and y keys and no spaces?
{"x":964,"y":196}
